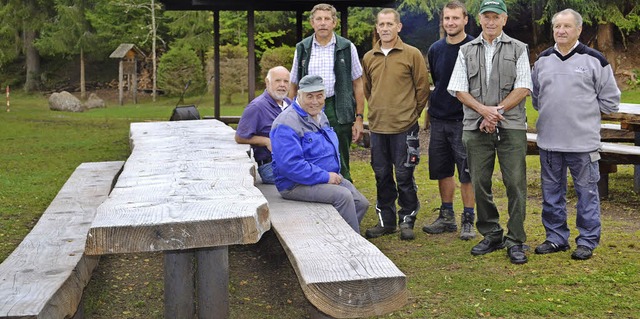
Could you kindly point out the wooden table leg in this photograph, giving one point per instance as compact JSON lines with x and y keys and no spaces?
{"x":213,"y":282}
{"x":636,"y":168}
{"x":179,"y":292}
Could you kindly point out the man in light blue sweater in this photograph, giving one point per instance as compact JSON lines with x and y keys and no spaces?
{"x":572,"y":85}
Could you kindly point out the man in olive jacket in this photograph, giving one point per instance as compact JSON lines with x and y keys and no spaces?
{"x":396,"y":85}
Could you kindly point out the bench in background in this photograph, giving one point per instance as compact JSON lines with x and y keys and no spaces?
{"x":44,"y":277}
{"x":341,"y":273}
{"x":612,"y":154}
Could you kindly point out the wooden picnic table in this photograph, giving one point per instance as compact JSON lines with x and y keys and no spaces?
{"x":187,"y":190}
{"x":629,"y":117}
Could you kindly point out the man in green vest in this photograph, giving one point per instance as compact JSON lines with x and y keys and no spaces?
{"x":492,"y":78}
{"x":335,"y":59}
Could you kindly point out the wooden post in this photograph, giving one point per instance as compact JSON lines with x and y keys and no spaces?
{"x":8,"y":103}
{"x":213,"y":282}
{"x":603,"y":183}
{"x":179,"y":293}
{"x":134,"y":85}
{"x":121,"y":82}
{"x":251,"y":48}
{"x":636,"y":168}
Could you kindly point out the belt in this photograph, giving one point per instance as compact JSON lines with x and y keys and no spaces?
{"x":260,"y":163}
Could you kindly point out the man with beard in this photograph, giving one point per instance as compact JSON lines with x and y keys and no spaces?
{"x":255,"y":122}
{"x":445,"y":117}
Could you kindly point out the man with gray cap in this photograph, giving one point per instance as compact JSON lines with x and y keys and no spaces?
{"x":492,"y":78}
{"x":306,"y":160}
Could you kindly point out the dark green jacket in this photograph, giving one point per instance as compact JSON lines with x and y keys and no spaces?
{"x":344,"y":98}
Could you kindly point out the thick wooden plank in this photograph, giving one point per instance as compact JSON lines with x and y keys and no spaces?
{"x":626,"y":111}
{"x":610,"y":152}
{"x":616,"y":133}
{"x":340,"y":272}
{"x":45,"y":275}
{"x":186,"y":185}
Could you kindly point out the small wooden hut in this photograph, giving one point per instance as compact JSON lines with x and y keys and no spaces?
{"x":129,"y":55}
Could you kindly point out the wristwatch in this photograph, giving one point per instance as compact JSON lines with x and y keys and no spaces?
{"x":501,"y":111}
{"x":360,"y":115}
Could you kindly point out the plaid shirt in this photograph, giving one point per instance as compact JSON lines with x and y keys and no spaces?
{"x":321,"y":63}
{"x":460,"y":83}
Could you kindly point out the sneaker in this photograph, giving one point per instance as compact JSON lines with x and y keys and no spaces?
{"x":516,"y":255}
{"x":467,"y":232}
{"x":446,"y":222}
{"x":582,"y":253}
{"x":486,"y":246}
{"x":548,"y":247}
{"x":406,"y":231}
{"x":377,"y":231}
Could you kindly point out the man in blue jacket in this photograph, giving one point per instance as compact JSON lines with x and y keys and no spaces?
{"x":306,"y":160}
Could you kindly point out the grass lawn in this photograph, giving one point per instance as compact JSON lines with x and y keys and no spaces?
{"x":40,"y":149}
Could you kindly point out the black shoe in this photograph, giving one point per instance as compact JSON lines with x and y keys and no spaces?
{"x":486,"y":246}
{"x":516,"y":255}
{"x":548,"y":247}
{"x":582,"y":253}
{"x":377,"y":231}
{"x":406,"y":231}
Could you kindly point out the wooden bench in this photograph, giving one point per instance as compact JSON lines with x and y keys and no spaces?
{"x":341,"y":273}
{"x":611,"y":154}
{"x":615,"y":133}
{"x":45,"y":275}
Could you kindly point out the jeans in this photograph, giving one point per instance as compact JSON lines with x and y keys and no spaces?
{"x":346,"y":199}
{"x":511,"y":148}
{"x":266,"y":173}
{"x":389,"y":151}
{"x":585,"y":173}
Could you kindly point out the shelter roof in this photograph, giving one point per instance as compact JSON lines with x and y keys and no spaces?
{"x":268,"y":5}
{"x":122,"y":50}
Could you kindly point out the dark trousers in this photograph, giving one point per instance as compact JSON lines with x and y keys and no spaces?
{"x":510,"y":146}
{"x":344,"y":136}
{"x":389,"y":151}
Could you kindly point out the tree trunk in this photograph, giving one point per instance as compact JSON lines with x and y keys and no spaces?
{"x":32,"y":82}
{"x":605,"y":43}
{"x":153,"y":49}
{"x":83,"y":87}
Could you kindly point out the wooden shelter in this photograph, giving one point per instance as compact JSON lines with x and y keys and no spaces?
{"x":299,"y":6}
{"x":129,"y":55}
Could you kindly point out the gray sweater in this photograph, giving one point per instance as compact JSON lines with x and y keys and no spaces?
{"x":569,"y":93}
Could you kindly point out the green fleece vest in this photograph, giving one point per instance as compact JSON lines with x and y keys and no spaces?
{"x":501,"y":80}
{"x":344,"y":99}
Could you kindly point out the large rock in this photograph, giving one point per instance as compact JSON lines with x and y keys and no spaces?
{"x":94,"y":102}
{"x":65,"y":101}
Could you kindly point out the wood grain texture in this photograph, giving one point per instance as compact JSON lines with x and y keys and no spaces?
{"x":340,"y":272}
{"x":45,"y":275}
{"x":186,"y":184}
{"x":626,"y":111}
{"x":610,"y":152}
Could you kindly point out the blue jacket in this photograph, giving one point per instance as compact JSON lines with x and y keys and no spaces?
{"x":304,"y":152}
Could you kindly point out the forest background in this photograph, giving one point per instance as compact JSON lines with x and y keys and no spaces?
{"x":57,"y":45}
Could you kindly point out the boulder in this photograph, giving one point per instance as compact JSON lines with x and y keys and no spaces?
{"x":65,"y":101}
{"x":94,"y":102}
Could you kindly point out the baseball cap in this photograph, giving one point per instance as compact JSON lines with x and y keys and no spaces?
{"x":496,"y":6}
{"x":311,"y":83}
